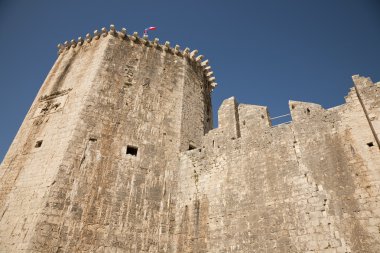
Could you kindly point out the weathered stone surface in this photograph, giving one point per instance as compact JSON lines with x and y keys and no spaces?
{"x":308,"y":186}
{"x":117,"y":154}
{"x":81,"y":191}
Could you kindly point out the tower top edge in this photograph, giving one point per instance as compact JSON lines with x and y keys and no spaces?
{"x":191,"y":55}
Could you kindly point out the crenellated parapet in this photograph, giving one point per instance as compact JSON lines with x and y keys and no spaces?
{"x":190,"y":55}
{"x":242,"y":121}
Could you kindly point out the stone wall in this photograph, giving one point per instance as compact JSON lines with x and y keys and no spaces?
{"x":308,"y":186}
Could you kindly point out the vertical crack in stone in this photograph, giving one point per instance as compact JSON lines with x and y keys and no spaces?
{"x":295,"y":143}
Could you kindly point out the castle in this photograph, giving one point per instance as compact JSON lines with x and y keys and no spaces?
{"x":118,"y":154}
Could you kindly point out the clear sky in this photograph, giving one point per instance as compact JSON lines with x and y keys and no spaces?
{"x":263,"y":52}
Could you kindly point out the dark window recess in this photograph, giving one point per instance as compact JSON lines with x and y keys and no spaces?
{"x":132,"y":150}
{"x":93,"y":139}
{"x":370,"y":144}
{"x":38,"y":144}
{"x":191,"y":147}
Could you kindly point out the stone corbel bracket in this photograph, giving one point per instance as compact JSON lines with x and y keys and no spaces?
{"x":144,"y":41}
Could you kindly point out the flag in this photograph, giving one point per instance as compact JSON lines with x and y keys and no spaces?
{"x":151,"y":28}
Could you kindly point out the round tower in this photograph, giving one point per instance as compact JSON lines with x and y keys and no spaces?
{"x":92,"y":166}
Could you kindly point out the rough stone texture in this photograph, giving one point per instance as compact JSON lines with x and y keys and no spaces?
{"x":308,"y":186}
{"x":80,"y":191}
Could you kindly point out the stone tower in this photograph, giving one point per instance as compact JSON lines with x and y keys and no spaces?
{"x":91,"y":168}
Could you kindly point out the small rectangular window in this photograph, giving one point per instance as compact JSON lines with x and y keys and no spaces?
{"x":191,"y":147}
{"x":131,"y":150}
{"x":38,"y":144}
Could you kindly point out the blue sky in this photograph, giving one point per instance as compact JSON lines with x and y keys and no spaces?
{"x":262,"y":52}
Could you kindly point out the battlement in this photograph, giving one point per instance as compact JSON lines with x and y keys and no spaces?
{"x":236,"y":120}
{"x":243,"y":120}
{"x":144,"y":41}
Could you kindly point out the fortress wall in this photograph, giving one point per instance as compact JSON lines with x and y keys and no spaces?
{"x":28,"y":172}
{"x":308,"y":186}
{"x":346,"y":167}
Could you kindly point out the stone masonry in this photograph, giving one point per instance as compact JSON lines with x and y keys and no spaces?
{"x":117,"y":154}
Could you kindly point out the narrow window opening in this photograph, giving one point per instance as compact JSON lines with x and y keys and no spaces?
{"x":308,"y":111}
{"x":93,"y":139}
{"x":370,"y":144}
{"x":132,"y":150}
{"x":191,"y":147}
{"x":38,"y":144}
